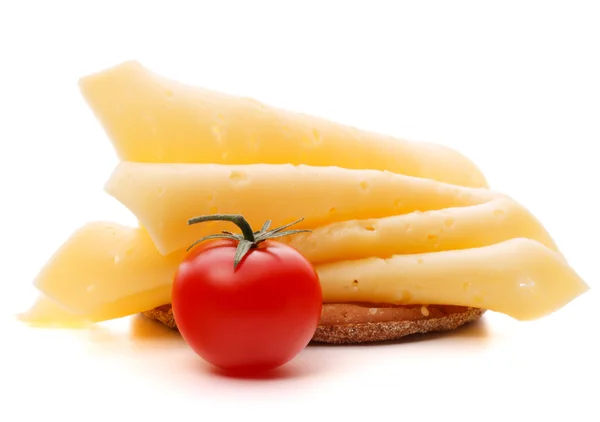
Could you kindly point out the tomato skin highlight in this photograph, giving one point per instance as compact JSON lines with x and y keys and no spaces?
{"x":254,"y":318}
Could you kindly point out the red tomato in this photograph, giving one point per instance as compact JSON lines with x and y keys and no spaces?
{"x":254,"y":318}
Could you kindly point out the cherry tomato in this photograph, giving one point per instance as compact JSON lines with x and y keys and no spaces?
{"x":253,"y":318}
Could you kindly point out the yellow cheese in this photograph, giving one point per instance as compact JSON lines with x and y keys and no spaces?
{"x":418,"y":232}
{"x":521,"y":278}
{"x":105,"y":269}
{"x":164,"y":196}
{"x":152,"y":119}
{"x":393,"y":221}
{"x":47,"y":313}
{"x":518,"y":277}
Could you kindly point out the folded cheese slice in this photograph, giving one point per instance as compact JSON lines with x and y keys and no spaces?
{"x":518,"y":277}
{"x":164,"y":196}
{"x":152,"y":119}
{"x":419,"y":232}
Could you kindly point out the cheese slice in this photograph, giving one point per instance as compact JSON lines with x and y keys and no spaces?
{"x":419,"y":232}
{"x":518,"y":277}
{"x":152,"y":119}
{"x":106,"y":270}
{"x":47,"y":313}
{"x":164,"y":196}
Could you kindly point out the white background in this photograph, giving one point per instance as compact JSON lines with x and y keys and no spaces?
{"x":514,"y":85}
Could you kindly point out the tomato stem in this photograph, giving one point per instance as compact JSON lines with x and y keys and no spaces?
{"x":248,"y":239}
{"x":236,"y":219}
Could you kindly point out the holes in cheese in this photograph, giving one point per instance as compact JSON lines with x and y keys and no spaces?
{"x":518,"y":277}
{"x":164,"y":196}
{"x":152,"y":119}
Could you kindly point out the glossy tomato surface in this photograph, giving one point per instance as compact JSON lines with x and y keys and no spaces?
{"x":254,"y":318}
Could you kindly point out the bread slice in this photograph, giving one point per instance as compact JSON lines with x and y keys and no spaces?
{"x":353,"y":323}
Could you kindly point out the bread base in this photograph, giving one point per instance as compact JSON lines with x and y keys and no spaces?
{"x":354,"y":323}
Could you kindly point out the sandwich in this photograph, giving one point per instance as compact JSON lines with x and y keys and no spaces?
{"x":406,"y":237}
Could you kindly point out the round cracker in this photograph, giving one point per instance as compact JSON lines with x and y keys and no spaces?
{"x":354,"y":323}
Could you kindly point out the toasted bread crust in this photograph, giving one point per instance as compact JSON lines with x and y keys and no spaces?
{"x":345,"y":323}
{"x":364,"y":332}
